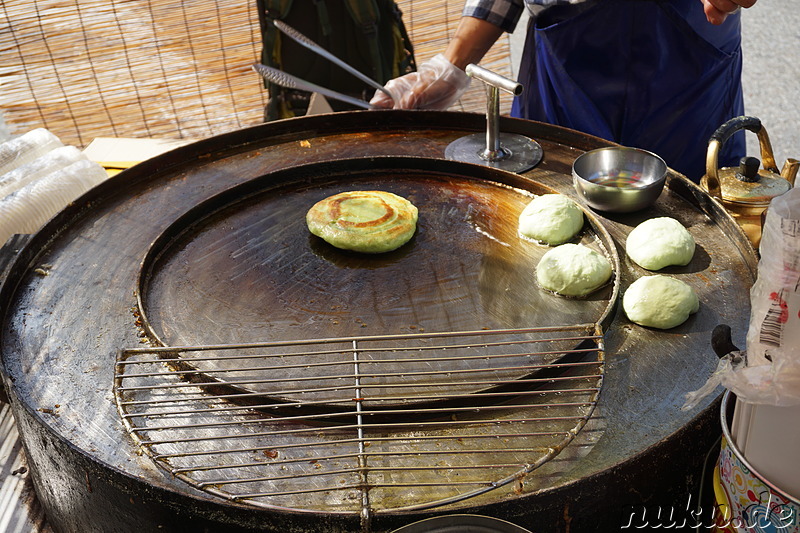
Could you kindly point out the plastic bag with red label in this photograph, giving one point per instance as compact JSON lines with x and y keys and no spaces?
{"x":768,"y":371}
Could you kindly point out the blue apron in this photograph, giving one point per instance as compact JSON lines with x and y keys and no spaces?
{"x":652,"y":74}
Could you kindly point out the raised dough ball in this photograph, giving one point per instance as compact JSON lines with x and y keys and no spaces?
{"x":660,"y":242}
{"x":363,"y":221}
{"x":551,"y":218}
{"x":573,"y":270}
{"x":659,"y":302}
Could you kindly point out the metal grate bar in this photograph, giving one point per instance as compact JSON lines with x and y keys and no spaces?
{"x":346,"y":388}
{"x":337,"y":414}
{"x":376,"y":338}
{"x":490,"y":466}
{"x":322,"y":402}
{"x":331,"y":352}
{"x":362,"y":461}
{"x":452,"y":411}
{"x":343,"y":362}
{"x":221,"y":451}
{"x":345,"y":456}
{"x":373,"y":426}
{"x":350,"y":400}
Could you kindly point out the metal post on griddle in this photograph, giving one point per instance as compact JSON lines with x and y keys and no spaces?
{"x":507,"y":151}
{"x":494,"y":150}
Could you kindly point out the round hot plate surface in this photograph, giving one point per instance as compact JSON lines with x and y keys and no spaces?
{"x":244,"y":268}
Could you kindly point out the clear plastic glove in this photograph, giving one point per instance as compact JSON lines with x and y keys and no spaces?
{"x":437,"y":84}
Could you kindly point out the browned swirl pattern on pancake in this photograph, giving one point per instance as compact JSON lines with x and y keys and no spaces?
{"x":363,"y":221}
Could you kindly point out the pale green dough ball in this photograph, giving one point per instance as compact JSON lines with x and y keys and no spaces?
{"x":551,"y":218}
{"x":660,"y":242}
{"x":659,"y":302}
{"x":573,"y":270}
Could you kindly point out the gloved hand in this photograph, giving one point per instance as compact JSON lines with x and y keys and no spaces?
{"x":437,"y":84}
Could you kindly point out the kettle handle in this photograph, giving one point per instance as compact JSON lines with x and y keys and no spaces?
{"x":725,"y":132}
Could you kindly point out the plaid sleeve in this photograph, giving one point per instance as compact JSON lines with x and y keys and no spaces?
{"x":502,"y":13}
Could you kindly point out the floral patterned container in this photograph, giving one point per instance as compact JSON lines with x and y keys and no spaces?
{"x":746,"y":501}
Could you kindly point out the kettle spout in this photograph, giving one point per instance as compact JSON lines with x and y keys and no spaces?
{"x":789,"y":171}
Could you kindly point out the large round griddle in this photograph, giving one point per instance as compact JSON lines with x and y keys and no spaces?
{"x":69,"y":306}
{"x":242,"y":267}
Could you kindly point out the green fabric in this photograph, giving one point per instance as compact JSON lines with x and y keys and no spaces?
{"x":366,"y":15}
{"x":367,"y":34}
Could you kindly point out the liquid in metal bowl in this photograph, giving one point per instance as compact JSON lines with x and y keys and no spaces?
{"x":619,"y":179}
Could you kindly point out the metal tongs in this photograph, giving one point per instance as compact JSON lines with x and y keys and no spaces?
{"x":278,"y":77}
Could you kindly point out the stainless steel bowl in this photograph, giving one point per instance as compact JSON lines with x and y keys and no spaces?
{"x":619,"y":179}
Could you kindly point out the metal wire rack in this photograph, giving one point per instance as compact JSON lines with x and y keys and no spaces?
{"x":375,"y":424}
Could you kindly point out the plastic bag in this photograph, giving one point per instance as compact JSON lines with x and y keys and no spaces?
{"x":768,"y":371}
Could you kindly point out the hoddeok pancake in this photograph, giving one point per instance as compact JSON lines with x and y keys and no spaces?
{"x":363,"y":221}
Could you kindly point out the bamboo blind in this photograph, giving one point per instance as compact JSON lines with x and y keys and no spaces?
{"x":170,"y":69}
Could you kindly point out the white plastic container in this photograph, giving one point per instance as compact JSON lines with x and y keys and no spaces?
{"x":25,"y":210}
{"x":56,"y":159}
{"x":26,"y":148}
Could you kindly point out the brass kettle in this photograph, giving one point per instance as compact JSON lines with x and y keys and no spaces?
{"x":745,"y":191}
